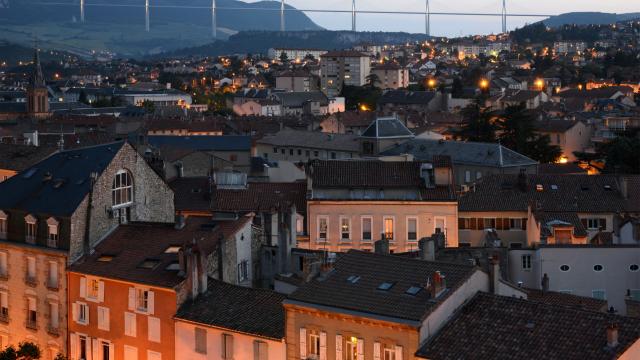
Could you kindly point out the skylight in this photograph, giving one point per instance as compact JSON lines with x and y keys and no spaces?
{"x":172,"y":250}
{"x":554,"y":187}
{"x":414,"y":290}
{"x":30,"y":173}
{"x":174,"y":266}
{"x":353,"y":279}
{"x":149,"y":264}
{"x":385,"y":286}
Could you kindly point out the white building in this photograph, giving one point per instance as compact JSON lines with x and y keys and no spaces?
{"x":295,"y":54}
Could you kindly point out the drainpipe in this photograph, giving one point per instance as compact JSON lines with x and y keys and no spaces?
{"x":86,"y":245}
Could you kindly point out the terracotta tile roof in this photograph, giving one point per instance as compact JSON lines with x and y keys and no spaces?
{"x":246,"y":310}
{"x":363,"y":295}
{"x":130,"y":245}
{"x":548,"y":220}
{"x":572,"y":193}
{"x":498,"y":327}
{"x":558,"y":298}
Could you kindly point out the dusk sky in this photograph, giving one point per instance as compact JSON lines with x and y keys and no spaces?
{"x":447,"y":25}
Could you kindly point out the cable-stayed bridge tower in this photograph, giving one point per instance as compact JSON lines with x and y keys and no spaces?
{"x":504,"y":16}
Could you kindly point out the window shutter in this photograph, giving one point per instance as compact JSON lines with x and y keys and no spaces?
{"x":86,"y":314}
{"x":602,"y":224}
{"x":132,"y":298}
{"x":112,"y":352}
{"x":101,"y":291}
{"x":338,"y":346}
{"x":73,"y":344}
{"x":360,"y":347}
{"x":83,"y":287}
{"x":74,"y":311}
{"x":150,"y":303}
{"x":95,"y":349}
{"x":524,"y":223}
{"x":323,"y":345}
{"x":259,"y":350}
{"x":376,"y":351}
{"x":229,"y":347}
{"x":87,"y":349}
{"x":103,"y":318}
{"x":154,"y":329}
{"x":303,"y":343}
{"x":256,"y":350}
{"x":398,"y":352}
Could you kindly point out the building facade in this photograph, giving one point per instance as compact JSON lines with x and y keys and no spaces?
{"x":338,"y":68}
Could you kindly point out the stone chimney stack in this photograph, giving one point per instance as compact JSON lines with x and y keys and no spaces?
{"x":545,"y":283}
{"x":382,"y":246}
{"x":427,"y":249}
{"x":437,"y":284}
{"x":494,"y":273}
{"x":612,"y":335}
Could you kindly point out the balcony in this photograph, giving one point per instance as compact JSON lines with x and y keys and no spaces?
{"x":52,"y":285}
{"x":4,"y":317}
{"x":31,"y":281}
{"x":32,"y":324}
{"x":53,"y":330}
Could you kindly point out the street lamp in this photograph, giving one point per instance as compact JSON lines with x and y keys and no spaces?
{"x":431,"y":83}
{"x":484,"y":84}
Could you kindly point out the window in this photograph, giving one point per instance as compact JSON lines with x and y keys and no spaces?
{"x":130,"y":324}
{"x":333,"y":156}
{"x":32,"y":315}
{"x":599,"y":294}
{"x":282,"y":151}
{"x":4,"y":306}
{"x":299,"y":151}
{"x":464,"y":224}
{"x":275,"y":150}
{"x":260,"y":350}
{"x":31,"y":270}
{"x":388,"y":228}
{"x":440,"y":225}
{"x":103,"y":318}
{"x":200,"y":340}
{"x":52,"y":233}
{"x":467,"y":176}
{"x":316,"y":153}
{"x":4,"y":269}
{"x":93,"y":288}
{"x":488,"y":223}
{"x":142,"y":300}
{"x":84,"y":344}
{"x":565,"y":268}
{"x":478,"y":175}
{"x":243,"y":271}
{"x":82,"y":313}
{"x":323,"y":227}
{"x":227,"y":347}
{"x":30,"y":229}
{"x":353,"y":347}
{"x":595,"y":223}
{"x":345,"y":228}
{"x":54,"y":317}
{"x":106,"y":348}
{"x":366,"y":228}
{"x":313,"y":345}
{"x":515,"y":224}
{"x":153,"y":329}
{"x":53,"y":275}
{"x":598,"y":268}
{"x":634,"y":267}
{"x":291,"y":152}
{"x":122,"y":189}
{"x":3,"y":225}
{"x":389,"y":353}
{"x":526,"y":262}
{"x":412,"y":229}
{"x":233,"y":157}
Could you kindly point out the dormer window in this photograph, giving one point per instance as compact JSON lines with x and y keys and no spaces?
{"x":30,"y":229}
{"x":3,"y":224}
{"x":52,"y":232}
{"x":122,"y":189}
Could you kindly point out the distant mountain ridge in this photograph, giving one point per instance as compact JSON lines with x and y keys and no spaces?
{"x":586,"y":18}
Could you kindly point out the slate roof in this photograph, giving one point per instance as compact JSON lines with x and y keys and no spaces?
{"x":387,"y":127}
{"x":600,"y":93}
{"x":19,"y":157}
{"x":547,"y":221}
{"x":203,"y":143}
{"x":245,"y":310}
{"x":299,"y":98}
{"x":575,"y":193}
{"x":334,"y":290}
{"x":559,"y":169}
{"x":505,"y":328}
{"x":193,"y":194}
{"x":27,"y":191}
{"x":12,"y":107}
{"x":405,"y":97}
{"x":467,"y":153}
{"x":312,"y":140}
{"x":151,"y":241}
{"x":374,"y":174}
{"x":520,"y":96}
{"x":558,"y":298}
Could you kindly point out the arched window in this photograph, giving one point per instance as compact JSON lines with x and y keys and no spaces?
{"x":122,"y":189}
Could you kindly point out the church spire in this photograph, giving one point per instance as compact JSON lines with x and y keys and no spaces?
{"x":37,"y":78}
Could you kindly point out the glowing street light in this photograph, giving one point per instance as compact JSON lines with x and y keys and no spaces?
{"x":484,"y":84}
{"x":431,"y":83}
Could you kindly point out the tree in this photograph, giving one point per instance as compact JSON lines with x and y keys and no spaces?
{"x":283,"y":57}
{"x":621,"y":155}
{"x":148,"y":106}
{"x":83,"y":97}
{"x":518,"y":133}
{"x":26,"y":351}
{"x":479,"y":123}
{"x":372,"y":80}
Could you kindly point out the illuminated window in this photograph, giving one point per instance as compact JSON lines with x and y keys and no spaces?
{"x":388,"y":229}
{"x":323,"y":226}
{"x":313,"y":345}
{"x":122,"y":189}
{"x":93,"y":288}
{"x":345,"y":228}
{"x":142,"y":300}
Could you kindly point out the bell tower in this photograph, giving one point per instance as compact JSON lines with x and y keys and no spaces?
{"x":37,"y":93}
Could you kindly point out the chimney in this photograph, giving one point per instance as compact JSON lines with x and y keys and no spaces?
{"x":437,"y":284}
{"x":545,"y":283}
{"x":624,"y":187}
{"x":494,"y":273}
{"x":182,"y":262}
{"x":382,"y":246}
{"x":612,"y":335}
{"x":427,"y":248}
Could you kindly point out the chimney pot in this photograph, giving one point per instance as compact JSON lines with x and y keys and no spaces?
{"x":545,"y":283}
{"x":382,"y":246}
{"x":612,"y":335}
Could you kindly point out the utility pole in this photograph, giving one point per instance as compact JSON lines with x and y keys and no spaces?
{"x":214,"y":25}
{"x":353,"y":15}
{"x":427,"y":19}
{"x":282,"y":24}
{"x":504,"y":16}
{"x":146,"y":15}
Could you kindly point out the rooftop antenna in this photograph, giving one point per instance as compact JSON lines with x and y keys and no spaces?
{"x":214,"y":25}
{"x":353,"y":15}
{"x":504,"y":16}
{"x":427,"y":19}
{"x":146,"y":15}
{"x":282,"y":16}
{"x":81,"y":10}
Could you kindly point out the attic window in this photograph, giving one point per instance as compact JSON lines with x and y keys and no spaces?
{"x":584,"y":187}
{"x":607,"y":187}
{"x":30,"y":173}
{"x":149,"y":264}
{"x":554,"y":187}
{"x":414,"y":290}
{"x":174,"y":266}
{"x":353,"y":279}
{"x":539,"y":187}
{"x":385,"y":286}
{"x":105,"y":258}
{"x":172,"y":250}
